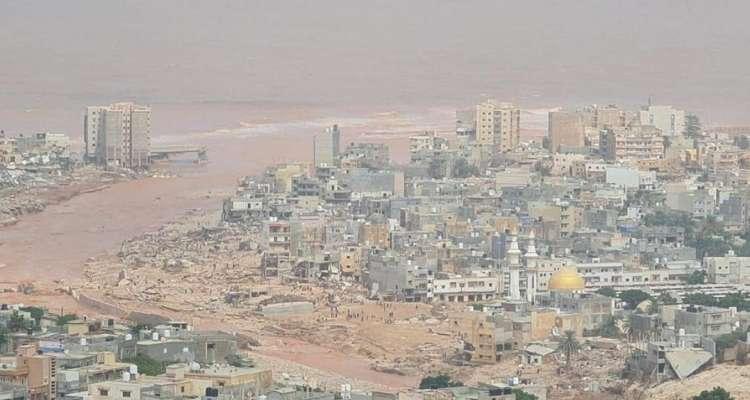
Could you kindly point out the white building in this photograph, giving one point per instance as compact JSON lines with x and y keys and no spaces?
{"x":630,"y":178}
{"x":465,"y":289}
{"x":669,"y":120}
{"x":118,"y":135}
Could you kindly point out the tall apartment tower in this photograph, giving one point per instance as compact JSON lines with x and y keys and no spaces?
{"x":669,"y":120}
{"x":326,"y":147}
{"x":118,"y":135}
{"x":498,"y":125}
{"x":565,"y":130}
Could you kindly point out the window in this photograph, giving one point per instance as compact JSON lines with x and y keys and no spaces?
{"x":103,"y":392}
{"x":125,"y":393}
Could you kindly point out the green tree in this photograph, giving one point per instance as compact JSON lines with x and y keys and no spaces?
{"x":462,"y":169}
{"x":436,"y":168}
{"x":670,"y":218}
{"x":136,"y":329}
{"x":666,"y":298}
{"x":710,"y":246}
{"x":147,"y":365}
{"x":700,"y":299}
{"x":737,"y":300}
{"x":693,"y":127}
{"x":3,"y":337}
{"x":37,"y":314}
{"x":718,"y":393}
{"x":64,"y":319}
{"x":729,"y":340}
{"x":17,"y":323}
{"x":521,"y":395}
{"x":697,"y":278}
{"x":609,"y":328}
{"x":633,"y":297}
{"x":607,"y":291}
{"x":569,"y":345}
{"x":438,"y":382}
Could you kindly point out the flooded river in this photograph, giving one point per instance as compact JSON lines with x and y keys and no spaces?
{"x":56,"y":243}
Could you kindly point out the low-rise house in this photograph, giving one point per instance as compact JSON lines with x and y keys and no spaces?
{"x":705,"y":321}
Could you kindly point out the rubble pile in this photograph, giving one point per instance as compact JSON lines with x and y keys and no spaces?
{"x":177,"y":248}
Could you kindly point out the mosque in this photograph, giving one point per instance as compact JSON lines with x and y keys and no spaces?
{"x":527,"y":275}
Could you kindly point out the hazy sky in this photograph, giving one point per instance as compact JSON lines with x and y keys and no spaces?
{"x":384,"y":53}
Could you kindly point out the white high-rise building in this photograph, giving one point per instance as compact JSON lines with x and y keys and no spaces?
{"x":669,"y":120}
{"x":498,"y":125}
{"x":326,"y":147}
{"x":118,"y":135}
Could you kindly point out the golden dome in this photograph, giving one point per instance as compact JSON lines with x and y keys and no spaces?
{"x":566,"y":280}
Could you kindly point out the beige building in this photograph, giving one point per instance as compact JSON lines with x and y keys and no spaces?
{"x":36,"y":372}
{"x":565,"y":130}
{"x":284,"y":174}
{"x":498,"y":125}
{"x":489,"y":338}
{"x":632,"y":143}
{"x":611,"y":116}
{"x":374,"y":234}
{"x":118,"y":135}
{"x":350,"y":260}
{"x":568,"y":217}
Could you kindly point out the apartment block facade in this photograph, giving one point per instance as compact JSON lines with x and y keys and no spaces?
{"x":118,"y":135}
{"x":498,"y":125}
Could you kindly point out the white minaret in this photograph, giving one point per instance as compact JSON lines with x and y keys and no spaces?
{"x":531,"y":278}
{"x":513,"y":258}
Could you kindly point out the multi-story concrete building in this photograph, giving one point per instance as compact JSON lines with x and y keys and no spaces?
{"x":669,"y":120}
{"x":565,"y":130}
{"x":704,"y":321}
{"x":498,"y":125}
{"x":118,"y":135}
{"x":350,"y":260}
{"x":727,"y":269}
{"x":37,"y":372}
{"x":466,"y":289}
{"x":632,"y":143}
{"x":488,"y":338}
{"x":327,"y":146}
{"x":610,"y":116}
{"x":182,"y":382}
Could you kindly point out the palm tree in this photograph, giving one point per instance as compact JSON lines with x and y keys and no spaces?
{"x":569,"y":345}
